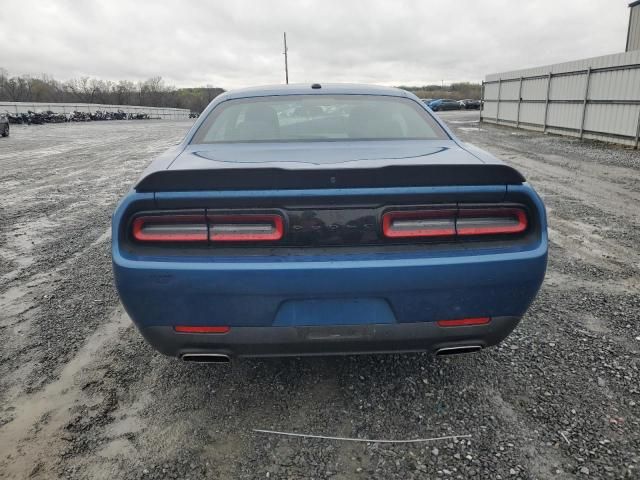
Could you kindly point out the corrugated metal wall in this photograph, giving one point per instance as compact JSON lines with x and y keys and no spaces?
{"x":597,"y":98}
{"x":633,"y":35}
{"x":155,"y":112}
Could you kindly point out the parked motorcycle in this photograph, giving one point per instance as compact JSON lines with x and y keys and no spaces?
{"x":40,"y":118}
{"x":15,"y":118}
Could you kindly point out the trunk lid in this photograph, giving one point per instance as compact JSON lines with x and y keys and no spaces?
{"x":320,"y":155}
{"x":297,"y":165}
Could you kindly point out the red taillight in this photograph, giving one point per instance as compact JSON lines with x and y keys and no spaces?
{"x":451,"y":222}
{"x":192,"y":329}
{"x":419,"y":223}
{"x":245,"y":228}
{"x":170,"y":228}
{"x":464,"y":322}
{"x":491,"y":221}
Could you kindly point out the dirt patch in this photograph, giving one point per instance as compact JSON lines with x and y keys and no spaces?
{"x":83,"y":396}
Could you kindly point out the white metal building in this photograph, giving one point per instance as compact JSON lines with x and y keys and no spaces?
{"x":633,"y":31}
{"x":596,"y":98}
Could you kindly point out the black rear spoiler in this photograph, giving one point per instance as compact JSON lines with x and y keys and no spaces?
{"x":282,"y":179}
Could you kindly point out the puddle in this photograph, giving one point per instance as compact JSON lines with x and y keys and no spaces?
{"x":52,"y":403}
{"x":12,"y":304}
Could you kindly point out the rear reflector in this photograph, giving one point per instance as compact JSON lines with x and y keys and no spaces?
{"x":464,"y":322}
{"x":191,"y":329}
{"x":419,"y":223}
{"x":451,"y":222}
{"x":170,"y":228}
{"x":245,"y":228}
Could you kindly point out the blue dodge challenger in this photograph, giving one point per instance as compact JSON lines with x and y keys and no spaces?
{"x":326,"y":219}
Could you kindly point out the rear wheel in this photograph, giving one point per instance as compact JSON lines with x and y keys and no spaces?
{"x":5,"y":130}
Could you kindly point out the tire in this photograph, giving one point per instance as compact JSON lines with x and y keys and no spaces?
{"x":5,"y":130}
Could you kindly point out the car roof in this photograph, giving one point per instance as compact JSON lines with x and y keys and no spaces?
{"x":306,"y":89}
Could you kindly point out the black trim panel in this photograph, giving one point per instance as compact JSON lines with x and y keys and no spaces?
{"x":330,"y":339}
{"x":342,"y":230}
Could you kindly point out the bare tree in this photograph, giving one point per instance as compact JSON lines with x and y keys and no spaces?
{"x":123,"y":92}
{"x":152,"y":92}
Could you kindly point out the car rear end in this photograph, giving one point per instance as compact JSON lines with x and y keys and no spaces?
{"x":259,"y":272}
{"x":326,"y":223}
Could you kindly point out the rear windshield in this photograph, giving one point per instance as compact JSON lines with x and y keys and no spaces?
{"x":291,"y":118}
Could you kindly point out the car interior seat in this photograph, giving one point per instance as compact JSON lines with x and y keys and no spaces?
{"x":369,"y":122}
{"x":260,"y":123}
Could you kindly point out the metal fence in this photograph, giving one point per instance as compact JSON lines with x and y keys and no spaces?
{"x":596,"y":98}
{"x":153,"y":112}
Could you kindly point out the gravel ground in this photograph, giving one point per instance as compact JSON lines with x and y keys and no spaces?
{"x":82,"y":395}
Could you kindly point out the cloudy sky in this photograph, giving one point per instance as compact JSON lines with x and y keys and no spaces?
{"x":238,"y":43}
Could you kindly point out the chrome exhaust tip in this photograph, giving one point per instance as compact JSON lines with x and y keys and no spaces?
{"x":219,"y":358}
{"x":458,"y":350}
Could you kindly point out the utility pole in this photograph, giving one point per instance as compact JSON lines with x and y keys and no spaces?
{"x":286,"y":64}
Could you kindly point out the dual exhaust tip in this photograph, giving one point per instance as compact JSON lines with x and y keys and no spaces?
{"x":457,"y":350}
{"x":221,"y":358}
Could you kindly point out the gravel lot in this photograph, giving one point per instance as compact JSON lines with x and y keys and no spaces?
{"x":83,"y":396}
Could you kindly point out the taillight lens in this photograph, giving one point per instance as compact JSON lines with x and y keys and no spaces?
{"x":420,"y":223}
{"x":170,"y":228}
{"x":180,"y":228}
{"x":454,"y":223}
{"x":245,"y":228}
{"x":491,"y":221}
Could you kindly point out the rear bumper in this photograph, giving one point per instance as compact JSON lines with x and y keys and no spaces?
{"x":330,"y":340}
{"x":331,"y":301}
{"x":256,"y":292}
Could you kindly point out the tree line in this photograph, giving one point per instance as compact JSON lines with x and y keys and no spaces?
{"x":153,"y":92}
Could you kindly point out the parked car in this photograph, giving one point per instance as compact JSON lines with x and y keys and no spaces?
{"x":427,"y":101}
{"x":4,"y":125}
{"x":470,"y":104}
{"x":444,"y":104}
{"x":369,"y":229}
